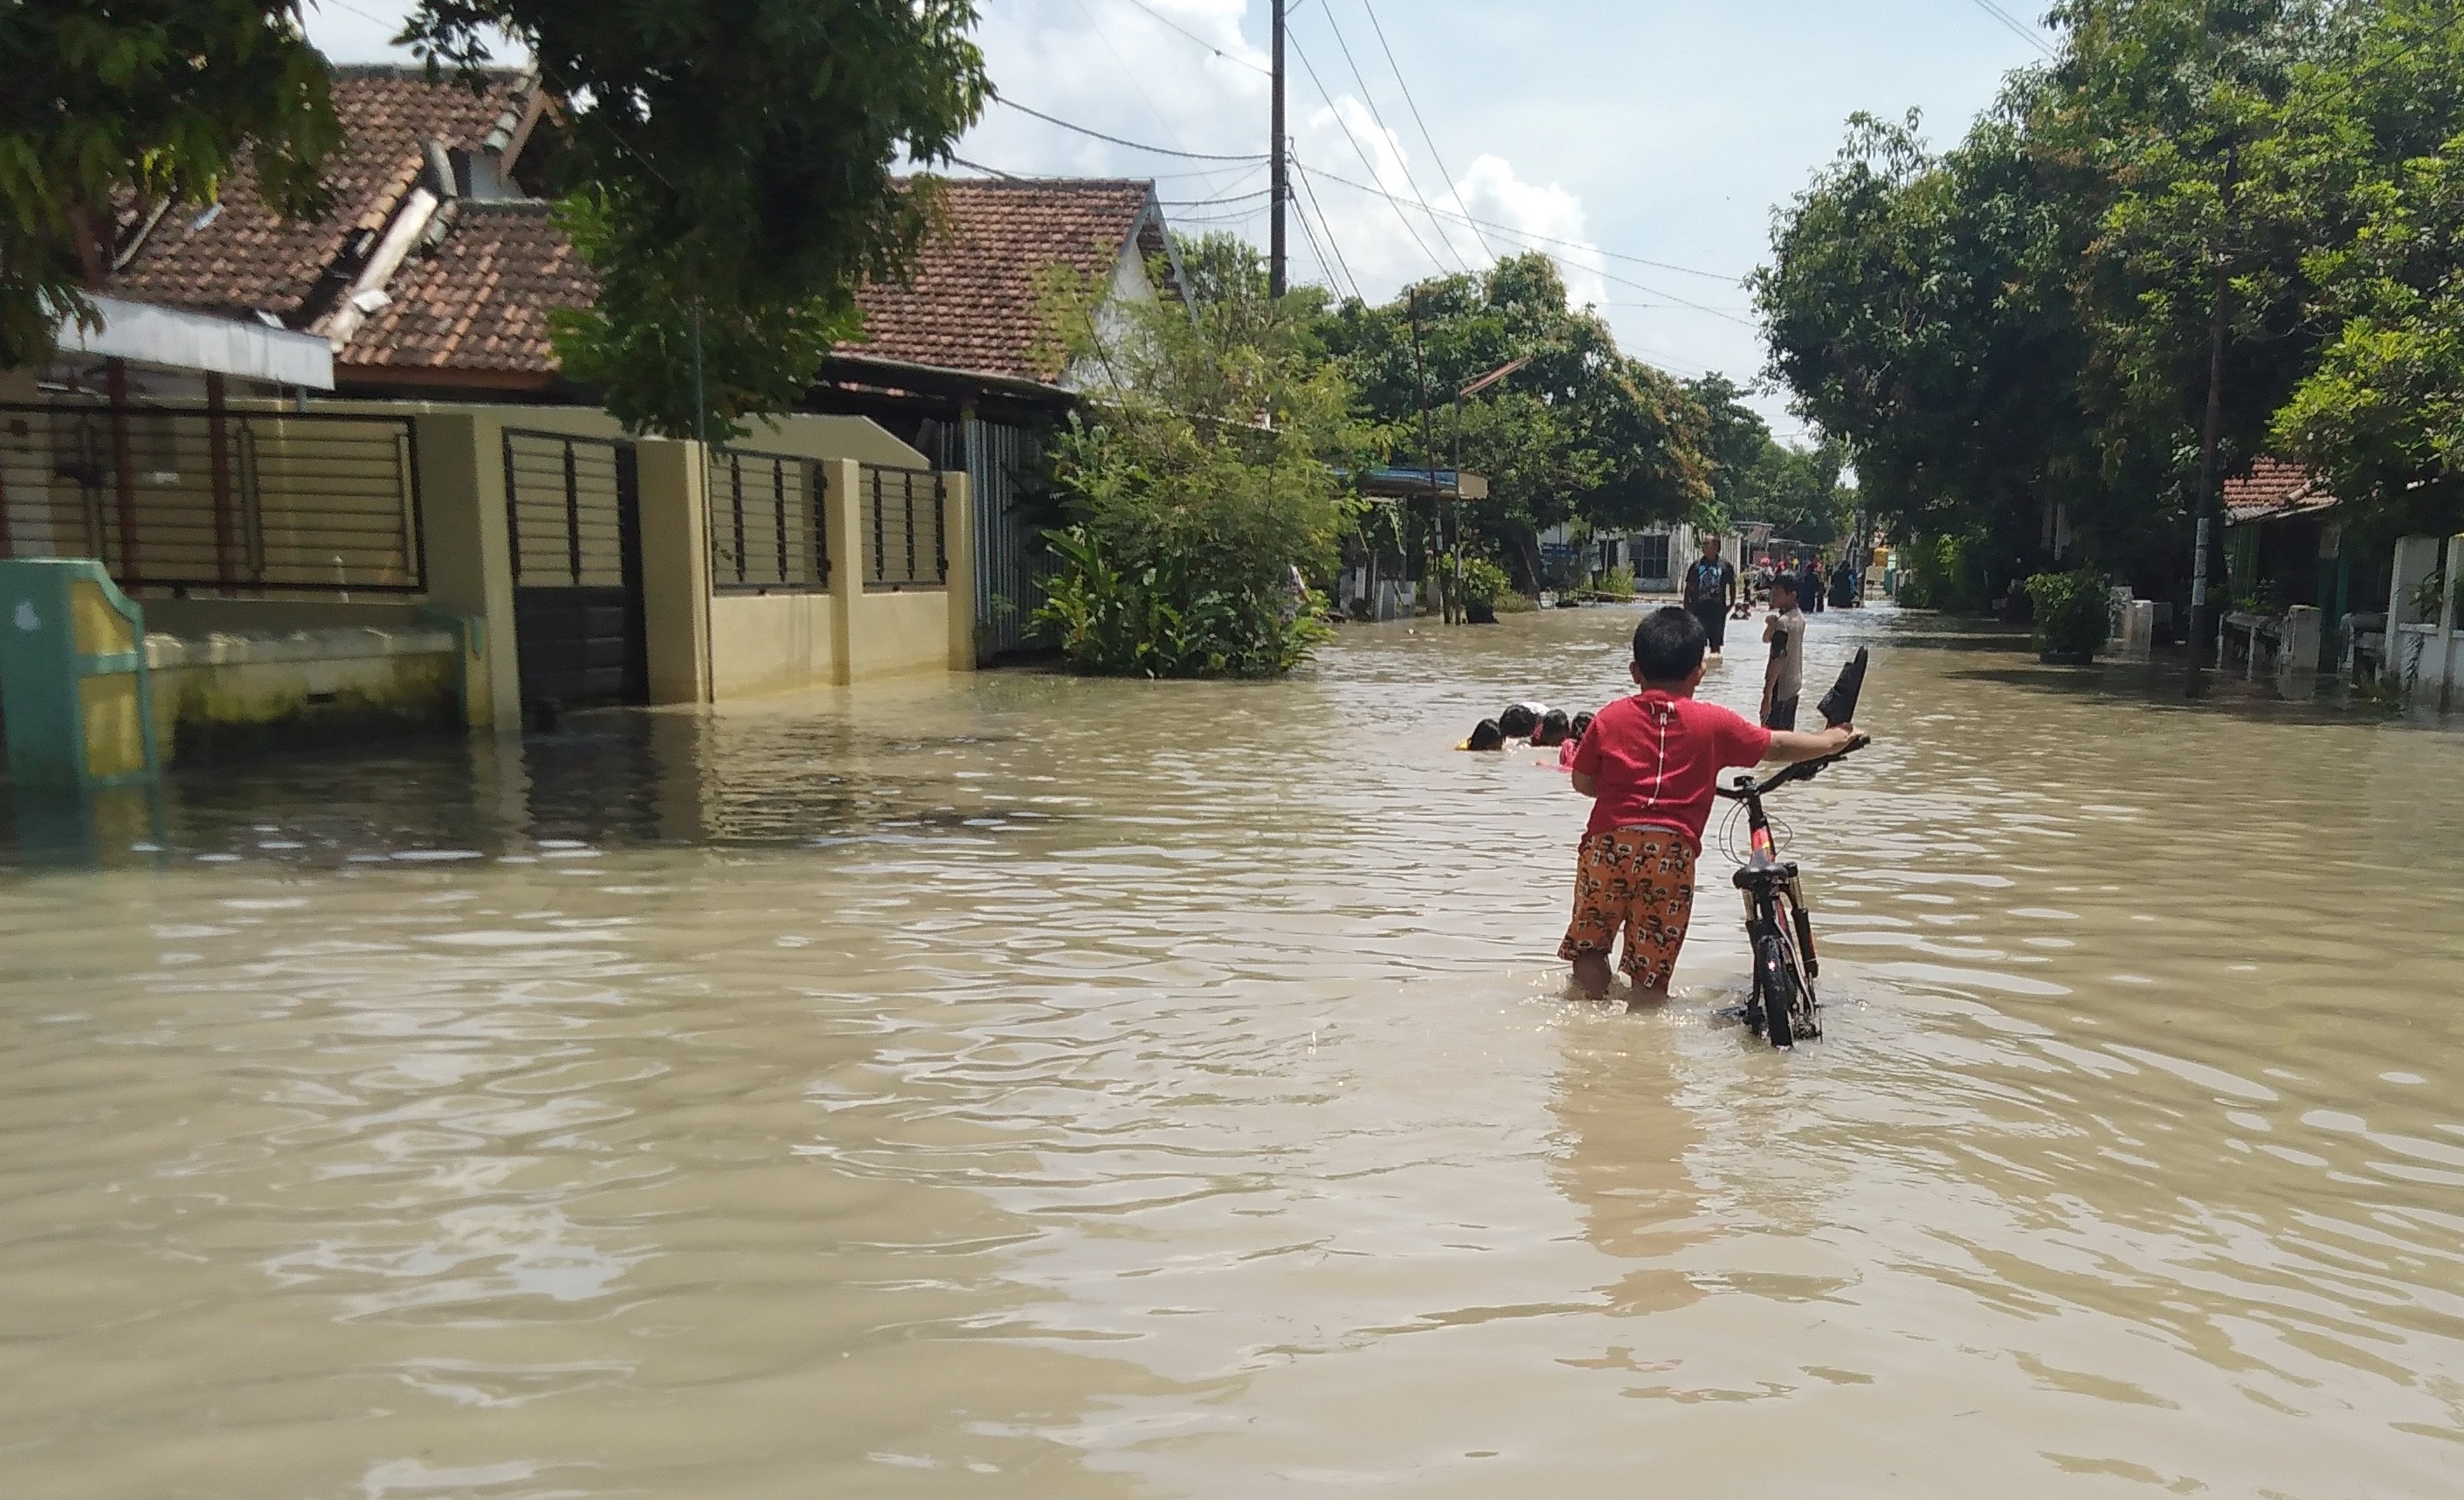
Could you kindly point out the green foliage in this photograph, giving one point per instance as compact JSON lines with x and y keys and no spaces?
{"x":2025,"y":319}
{"x":1580,"y":431}
{"x":139,"y":104}
{"x":1162,"y":620}
{"x":2074,"y":611}
{"x":1199,"y":479}
{"x":1618,"y":583}
{"x":1943,"y":573}
{"x":731,"y":159}
{"x":1484,"y":582}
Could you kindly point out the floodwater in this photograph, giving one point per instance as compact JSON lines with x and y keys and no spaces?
{"x":1038,"y":1087}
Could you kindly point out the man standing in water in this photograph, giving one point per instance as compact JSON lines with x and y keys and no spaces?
{"x":1710,"y":588}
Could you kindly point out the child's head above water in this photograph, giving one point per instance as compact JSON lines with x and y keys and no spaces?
{"x":1554,"y":729}
{"x":1668,"y":650}
{"x":1485,"y":736}
{"x":1576,"y":731}
{"x":1518,"y":721}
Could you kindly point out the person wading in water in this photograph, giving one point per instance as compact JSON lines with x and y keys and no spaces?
{"x":1710,"y":588}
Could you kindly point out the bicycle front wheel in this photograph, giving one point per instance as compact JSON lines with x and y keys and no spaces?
{"x":1775,"y":977}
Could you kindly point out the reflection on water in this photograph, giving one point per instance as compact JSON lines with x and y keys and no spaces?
{"x":1035,"y":1087}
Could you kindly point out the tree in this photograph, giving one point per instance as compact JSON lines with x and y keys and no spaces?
{"x":1579,"y":432}
{"x":728,"y":171}
{"x":2379,"y":145}
{"x":112,"y":108}
{"x":732,"y":180}
{"x":1201,"y":472}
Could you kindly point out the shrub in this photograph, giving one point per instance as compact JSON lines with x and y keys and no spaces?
{"x":1942,"y":573}
{"x":1512,"y":603}
{"x":1484,"y":582}
{"x":1618,"y":583}
{"x":1160,"y":620}
{"x":1201,"y":476}
{"x":2073,"y":612}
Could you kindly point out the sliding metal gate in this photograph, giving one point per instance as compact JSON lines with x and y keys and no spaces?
{"x":573,"y":513}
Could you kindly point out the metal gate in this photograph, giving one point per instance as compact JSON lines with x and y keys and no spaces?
{"x":573,"y":514}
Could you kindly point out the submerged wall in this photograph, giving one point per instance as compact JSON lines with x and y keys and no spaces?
{"x":223,"y":696}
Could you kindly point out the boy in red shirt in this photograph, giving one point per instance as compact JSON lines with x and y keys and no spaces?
{"x":1649,"y":763}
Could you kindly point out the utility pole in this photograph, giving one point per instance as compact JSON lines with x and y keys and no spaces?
{"x":1428,"y":427}
{"x":1278,"y":253}
{"x":2208,"y":541}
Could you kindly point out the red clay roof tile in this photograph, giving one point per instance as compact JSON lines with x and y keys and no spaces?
{"x":479,"y":300}
{"x":971,"y":303}
{"x":241,"y":257}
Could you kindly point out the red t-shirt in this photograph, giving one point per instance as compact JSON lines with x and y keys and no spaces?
{"x":1657,"y":758}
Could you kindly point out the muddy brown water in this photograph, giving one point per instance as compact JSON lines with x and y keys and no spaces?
{"x":1039,"y":1088}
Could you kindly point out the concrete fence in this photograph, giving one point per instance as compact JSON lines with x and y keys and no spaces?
{"x":243,"y":658}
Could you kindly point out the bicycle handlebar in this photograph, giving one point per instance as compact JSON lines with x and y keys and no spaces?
{"x":1802,"y":770}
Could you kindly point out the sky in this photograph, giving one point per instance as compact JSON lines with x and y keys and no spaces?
{"x":1643,"y":143}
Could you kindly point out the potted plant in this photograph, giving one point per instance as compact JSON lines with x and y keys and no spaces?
{"x":2073,"y":615}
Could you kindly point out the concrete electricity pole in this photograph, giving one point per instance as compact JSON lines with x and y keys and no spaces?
{"x":1278,"y":262}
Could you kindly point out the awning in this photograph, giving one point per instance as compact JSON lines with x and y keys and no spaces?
{"x":170,"y":339}
{"x":1412,"y":484}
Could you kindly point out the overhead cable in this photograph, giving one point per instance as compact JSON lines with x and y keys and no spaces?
{"x":1427,"y":138}
{"x":1570,"y":243}
{"x":1134,"y":145}
{"x":2018,"y":28}
{"x":1184,"y":30}
{"x":1386,"y":137}
{"x":1604,"y":276}
{"x":1324,"y":223}
{"x":1298,"y":51}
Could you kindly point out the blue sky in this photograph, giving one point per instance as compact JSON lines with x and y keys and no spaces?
{"x":1653,"y":130}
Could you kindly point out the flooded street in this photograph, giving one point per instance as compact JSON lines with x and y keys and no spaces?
{"x":1031,"y":1087}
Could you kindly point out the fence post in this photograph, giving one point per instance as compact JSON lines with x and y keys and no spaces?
{"x":958,"y":551}
{"x":842,"y":496}
{"x":677,"y":577}
{"x":467,"y":541}
{"x":79,"y":697}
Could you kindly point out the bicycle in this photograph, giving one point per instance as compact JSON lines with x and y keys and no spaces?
{"x":1779,"y":928}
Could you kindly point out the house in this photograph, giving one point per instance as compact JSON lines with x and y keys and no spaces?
{"x":956,"y":361}
{"x":450,"y":532}
{"x":2287,"y":548}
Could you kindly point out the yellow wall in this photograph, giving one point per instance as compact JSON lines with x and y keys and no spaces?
{"x":772,"y":643}
{"x":898,"y":635}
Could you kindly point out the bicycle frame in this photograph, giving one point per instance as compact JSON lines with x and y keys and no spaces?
{"x":1764,"y":880}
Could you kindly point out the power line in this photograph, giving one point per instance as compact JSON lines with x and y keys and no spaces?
{"x":1311,"y":189}
{"x":1134,"y":145}
{"x":1205,"y":203}
{"x":2020,"y":28}
{"x":1184,"y":30}
{"x":1439,"y":265}
{"x":1508,"y":229}
{"x":1386,"y":137}
{"x":1447,"y":177}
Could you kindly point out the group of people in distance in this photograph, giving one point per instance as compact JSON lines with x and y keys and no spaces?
{"x":1535,"y":725}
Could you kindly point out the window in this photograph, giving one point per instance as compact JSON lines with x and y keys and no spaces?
{"x":1650,"y":556}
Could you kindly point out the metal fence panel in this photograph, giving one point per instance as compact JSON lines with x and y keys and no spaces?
{"x":905,"y":541}
{"x":196,"y":497}
{"x":564,"y":509}
{"x":1011,"y":557}
{"x":768,"y":530}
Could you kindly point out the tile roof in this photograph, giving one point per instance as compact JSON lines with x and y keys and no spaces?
{"x":971,"y":303}
{"x":2270,"y":490}
{"x":242,"y":257}
{"x":480,"y":300}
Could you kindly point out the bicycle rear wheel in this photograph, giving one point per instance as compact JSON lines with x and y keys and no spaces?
{"x":1775,"y":980}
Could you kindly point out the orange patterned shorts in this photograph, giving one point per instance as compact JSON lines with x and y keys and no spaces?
{"x":1642,"y":880}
